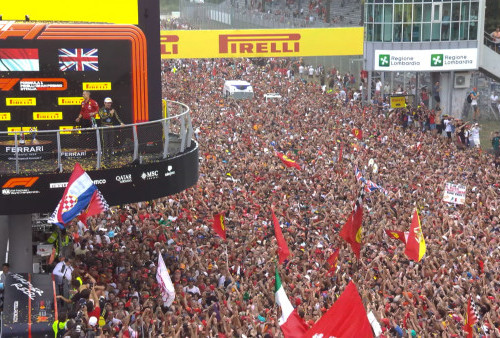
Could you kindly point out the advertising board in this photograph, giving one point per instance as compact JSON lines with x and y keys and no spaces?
{"x":261,"y":43}
{"x":431,"y":60}
{"x":132,"y":183}
{"x":45,"y":67}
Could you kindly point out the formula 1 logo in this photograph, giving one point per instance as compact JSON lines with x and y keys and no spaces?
{"x":25,"y":182}
{"x":384,"y":60}
{"x":437,"y":60}
{"x":259,"y":43}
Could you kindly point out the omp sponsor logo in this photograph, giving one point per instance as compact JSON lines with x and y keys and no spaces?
{"x":96,"y":85}
{"x":20,"y":101}
{"x":259,"y":43}
{"x":20,"y":182}
{"x":149,"y":175}
{"x":24,"y":149}
{"x":69,"y":101}
{"x":4,"y":116}
{"x":57,"y":115}
{"x":169,"y":172}
{"x":167,"y":45}
{"x":64,"y":184}
{"x":126,"y":178}
{"x":43,"y":84}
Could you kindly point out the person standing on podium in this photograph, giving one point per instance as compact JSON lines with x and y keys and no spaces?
{"x":88,"y":111}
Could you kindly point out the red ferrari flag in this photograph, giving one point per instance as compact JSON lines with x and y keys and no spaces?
{"x":351,"y":231}
{"x":346,"y":318}
{"x":358,"y":133}
{"x":415,"y":244}
{"x":283,"y":251}
{"x":287,"y":161}
{"x":333,"y":261}
{"x":219,"y":226}
{"x":399,"y":235}
{"x":470,"y":317}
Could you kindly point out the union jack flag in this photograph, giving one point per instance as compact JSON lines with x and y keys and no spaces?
{"x":358,"y":174}
{"x":78,"y":59}
{"x":372,"y":186}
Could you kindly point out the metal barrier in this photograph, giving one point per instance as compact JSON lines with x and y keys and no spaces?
{"x":46,"y":151}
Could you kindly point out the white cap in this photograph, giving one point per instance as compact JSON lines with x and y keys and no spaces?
{"x":92,"y":321}
{"x":108,"y":99}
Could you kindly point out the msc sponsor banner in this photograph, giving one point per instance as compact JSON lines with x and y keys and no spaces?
{"x":69,"y":101}
{"x":96,"y":85}
{"x":261,"y":43}
{"x":4,"y":116}
{"x":29,"y":305}
{"x":20,"y":101}
{"x":56,"y":115}
{"x":53,"y":10}
{"x":119,"y":185}
{"x":454,"y":193}
{"x":426,"y":60}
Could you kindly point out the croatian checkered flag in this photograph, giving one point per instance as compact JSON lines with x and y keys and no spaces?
{"x":77,"y":196}
{"x":97,"y":205}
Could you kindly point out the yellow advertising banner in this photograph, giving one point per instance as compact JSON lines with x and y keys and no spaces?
{"x":4,"y":116}
{"x":110,"y":11}
{"x":47,"y":116}
{"x":12,"y":130}
{"x":186,"y":44}
{"x":72,"y":130}
{"x":20,"y":101}
{"x":96,"y":85}
{"x":398,"y":102}
{"x":69,"y":101}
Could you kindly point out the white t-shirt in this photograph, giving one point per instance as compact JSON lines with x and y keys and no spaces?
{"x":378,"y":86}
{"x":494,"y":98}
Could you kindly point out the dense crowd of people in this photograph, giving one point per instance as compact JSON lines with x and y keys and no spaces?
{"x":226,"y":288}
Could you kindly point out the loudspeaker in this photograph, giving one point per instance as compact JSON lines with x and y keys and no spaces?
{"x":462,"y":80}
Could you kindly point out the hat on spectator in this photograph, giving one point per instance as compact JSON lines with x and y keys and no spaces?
{"x":108,"y":99}
{"x":92,"y":321}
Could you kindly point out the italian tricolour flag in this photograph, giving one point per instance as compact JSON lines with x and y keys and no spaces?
{"x":290,"y":322}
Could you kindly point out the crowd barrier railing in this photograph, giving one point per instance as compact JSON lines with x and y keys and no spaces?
{"x":52,"y":151}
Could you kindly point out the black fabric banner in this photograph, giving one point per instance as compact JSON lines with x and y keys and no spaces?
{"x":29,"y":308}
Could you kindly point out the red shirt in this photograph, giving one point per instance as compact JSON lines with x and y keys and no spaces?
{"x":96,"y":312}
{"x":89,"y":107}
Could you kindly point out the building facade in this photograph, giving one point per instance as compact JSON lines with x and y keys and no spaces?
{"x":438,"y":39}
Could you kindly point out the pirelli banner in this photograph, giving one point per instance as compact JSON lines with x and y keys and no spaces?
{"x":192,"y":44}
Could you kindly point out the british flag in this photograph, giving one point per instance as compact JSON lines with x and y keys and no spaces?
{"x":78,"y":59}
